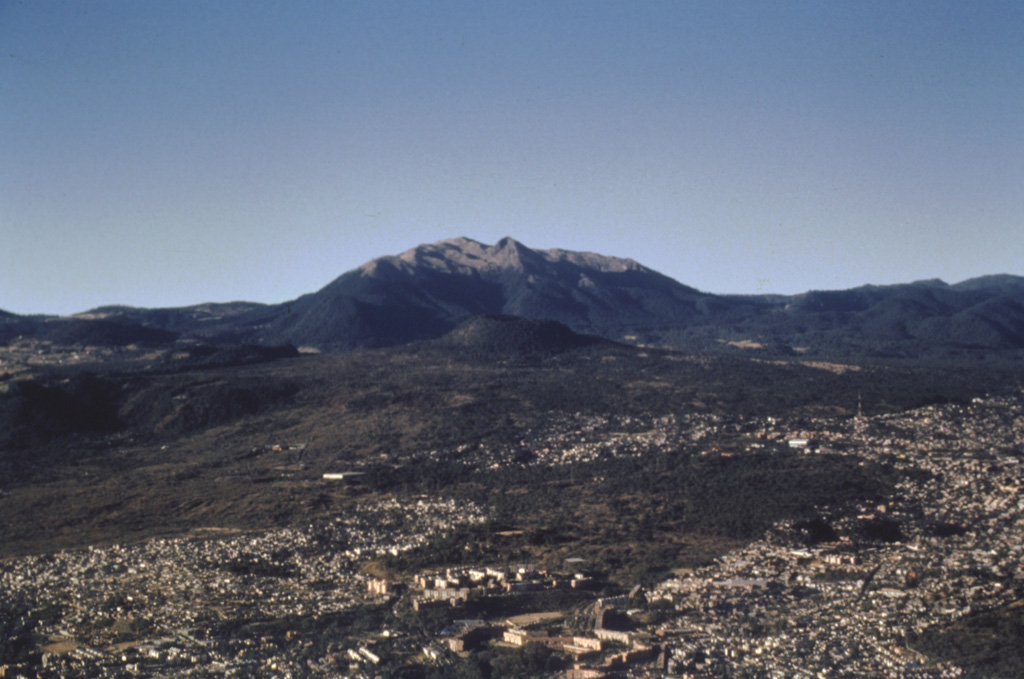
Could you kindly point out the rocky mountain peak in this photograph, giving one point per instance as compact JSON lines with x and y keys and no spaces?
{"x":426,"y":291}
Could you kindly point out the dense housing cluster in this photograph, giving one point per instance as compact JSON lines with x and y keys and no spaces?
{"x":168,"y":605}
{"x":843,"y":595}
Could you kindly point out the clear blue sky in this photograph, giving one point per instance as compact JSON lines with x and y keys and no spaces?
{"x":172,"y":153}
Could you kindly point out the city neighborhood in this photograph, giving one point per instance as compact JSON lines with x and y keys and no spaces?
{"x":844,"y":597}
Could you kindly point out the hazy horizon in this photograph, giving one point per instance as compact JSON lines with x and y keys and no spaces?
{"x":172,"y":154}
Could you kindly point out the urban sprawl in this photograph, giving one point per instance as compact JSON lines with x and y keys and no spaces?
{"x":783,"y":606}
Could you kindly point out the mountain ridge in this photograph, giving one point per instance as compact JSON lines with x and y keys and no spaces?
{"x":427,"y":291}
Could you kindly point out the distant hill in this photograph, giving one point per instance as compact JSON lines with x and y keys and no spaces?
{"x":231,"y":322}
{"x":426,"y":292}
{"x":925,"y":317}
{"x":83,"y":331}
{"x":1002,"y":283}
{"x":514,"y":338}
